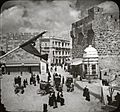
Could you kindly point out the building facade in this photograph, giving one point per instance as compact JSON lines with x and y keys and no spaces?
{"x":58,"y":49}
{"x":101,"y":30}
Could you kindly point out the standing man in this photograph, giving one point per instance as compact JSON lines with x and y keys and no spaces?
{"x":38,"y":79}
{"x":50,"y":102}
{"x":24,"y":83}
{"x":63,"y":80}
{"x":19,"y":80}
{"x":87,"y":95}
{"x":85,"y":91}
{"x":62,"y":100}
{"x":58,"y":97}
{"x":54,"y":100}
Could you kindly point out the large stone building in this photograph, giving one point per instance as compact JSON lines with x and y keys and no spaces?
{"x":101,"y":30}
{"x":59,"y":49}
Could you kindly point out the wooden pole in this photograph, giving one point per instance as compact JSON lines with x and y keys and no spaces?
{"x":40,"y":53}
{"x":89,"y":70}
{"x":9,"y":52}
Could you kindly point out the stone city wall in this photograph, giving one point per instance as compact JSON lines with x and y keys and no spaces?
{"x":102,"y":31}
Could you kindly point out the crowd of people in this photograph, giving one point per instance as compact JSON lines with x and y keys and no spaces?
{"x":55,"y":97}
{"x":58,"y":82}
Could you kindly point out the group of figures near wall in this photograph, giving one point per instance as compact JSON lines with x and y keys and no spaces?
{"x":20,"y":85}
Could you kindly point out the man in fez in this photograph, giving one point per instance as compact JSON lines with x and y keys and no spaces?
{"x":87,"y":95}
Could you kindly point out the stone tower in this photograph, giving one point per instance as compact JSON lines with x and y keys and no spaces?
{"x":101,"y":30}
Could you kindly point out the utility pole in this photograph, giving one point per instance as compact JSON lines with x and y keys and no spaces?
{"x":89,"y":70}
{"x":40,"y":53}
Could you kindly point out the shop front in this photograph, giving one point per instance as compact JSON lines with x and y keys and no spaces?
{"x":76,"y":67}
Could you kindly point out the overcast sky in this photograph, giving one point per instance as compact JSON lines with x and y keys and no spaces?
{"x":54,"y":16}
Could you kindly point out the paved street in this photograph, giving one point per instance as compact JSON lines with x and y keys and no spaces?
{"x":31,"y":101}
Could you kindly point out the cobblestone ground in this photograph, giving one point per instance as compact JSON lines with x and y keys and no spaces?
{"x":31,"y":101}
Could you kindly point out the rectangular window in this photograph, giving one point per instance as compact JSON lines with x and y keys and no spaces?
{"x":93,"y":69}
{"x":45,"y":44}
{"x":59,"y":44}
{"x":42,"y":67}
{"x":56,"y":52}
{"x":53,"y":43}
{"x":62,"y":52}
{"x":85,"y":66}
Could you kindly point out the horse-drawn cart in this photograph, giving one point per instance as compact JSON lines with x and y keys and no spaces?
{"x":45,"y":88}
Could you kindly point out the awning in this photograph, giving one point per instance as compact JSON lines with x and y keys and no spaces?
{"x":68,"y":62}
{"x":18,"y":65}
{"x":116,"y":88}
{"x":77,"y":61}
{"x":23,"y":63}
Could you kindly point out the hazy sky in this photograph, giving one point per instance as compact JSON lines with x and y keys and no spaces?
{"x":54,"y":16}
